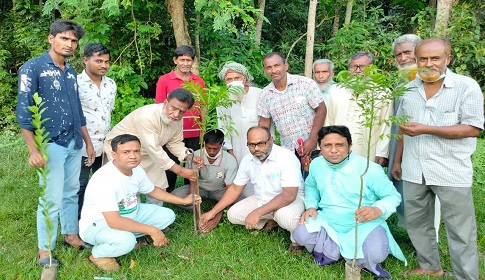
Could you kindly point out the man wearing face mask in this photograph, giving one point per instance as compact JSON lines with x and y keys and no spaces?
{"x":327,"y":227}
{"x":157,"y":125}
{"x":215,"y":176}
{"x":244,"y":112}
{"x":446,"y":116}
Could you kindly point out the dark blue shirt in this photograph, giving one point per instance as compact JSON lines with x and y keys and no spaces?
{"x":59,"y":91}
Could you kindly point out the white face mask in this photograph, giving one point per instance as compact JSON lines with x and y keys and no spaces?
{"x":431,"y":81}
{"x":233,"y":96}
{"x":216,"y":156}
{"x":236,"y":84}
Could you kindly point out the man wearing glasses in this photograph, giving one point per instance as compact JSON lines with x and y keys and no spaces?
{"x":278,"y":187}
{"x":342,"y":110}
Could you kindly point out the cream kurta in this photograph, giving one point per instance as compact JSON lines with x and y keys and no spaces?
{"x":146,"y":124}
{"x":341,"y":110}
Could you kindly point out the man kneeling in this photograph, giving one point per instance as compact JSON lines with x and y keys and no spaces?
{"x":111,"y":217}
{"x":278,"y":187}
{"x":331,"y":198}
{"x":215,"y":176}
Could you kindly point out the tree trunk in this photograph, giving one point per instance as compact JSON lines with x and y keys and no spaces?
{"x":336,"y":21}
{"x":259,"y":23}
{"x":348,"y":11}
{"x":180,"y":30}
{"x":432,"y":3}
{"x":310,"y":37}
{"x":442,"y":16}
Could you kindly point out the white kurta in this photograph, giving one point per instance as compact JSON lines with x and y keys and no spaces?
{"x":342,"y":110}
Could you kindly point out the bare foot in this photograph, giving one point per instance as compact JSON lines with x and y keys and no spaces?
{"x":212,"y":223}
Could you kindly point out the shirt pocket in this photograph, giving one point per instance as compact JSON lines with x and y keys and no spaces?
{"x":448,"y":119}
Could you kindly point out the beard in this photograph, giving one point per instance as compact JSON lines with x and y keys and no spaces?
{"x":264,"y":155}
{"x":325,"y":86}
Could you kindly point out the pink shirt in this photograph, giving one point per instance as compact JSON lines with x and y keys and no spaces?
{"x":169,"y":82}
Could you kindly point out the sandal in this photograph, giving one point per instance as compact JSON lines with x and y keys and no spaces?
{"x":295,"y":248}
{"x":419,"y":271}
{"x":46,"y":262}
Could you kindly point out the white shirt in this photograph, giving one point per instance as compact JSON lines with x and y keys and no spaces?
{"x":110,"y":190}
{"x":281,"y":169}
{"x":242,"y":116}
{"x":97,"y":104}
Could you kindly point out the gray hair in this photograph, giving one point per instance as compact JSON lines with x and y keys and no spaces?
{"x":323,"y":61}
{"x":360,"y":54}
{"x":411,"y":38}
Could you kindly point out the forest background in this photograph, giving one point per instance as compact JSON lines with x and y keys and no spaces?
{"x":142,"y":35}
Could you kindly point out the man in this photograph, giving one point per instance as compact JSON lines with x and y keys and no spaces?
{"x":446,"y":115}
{"x":112,"y":218}
{"x":157,"y":125}
{"x":216,"y":175}
{"x":342,"y":110}
{"x":403,"y":48}
{"x":242,"y":115}
{"x":332,"y":193}
{"x":278,"y":187}
{"x":294,"y":103}
{"x":183,"y":59}
{"x":323,"y":75}
{"x":54,"y":80}
{"x":97,"y":94}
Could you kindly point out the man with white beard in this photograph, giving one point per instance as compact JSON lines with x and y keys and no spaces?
{"x":323,"y":75}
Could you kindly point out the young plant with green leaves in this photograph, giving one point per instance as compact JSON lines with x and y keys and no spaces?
{"x":373,"y":91}
{"x":208,"y":99}
{"x":41,"y":138}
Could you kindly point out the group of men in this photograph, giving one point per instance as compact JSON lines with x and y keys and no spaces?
{"x":445,"y":109}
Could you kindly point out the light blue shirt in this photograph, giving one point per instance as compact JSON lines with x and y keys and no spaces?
{"x":334,"y":189}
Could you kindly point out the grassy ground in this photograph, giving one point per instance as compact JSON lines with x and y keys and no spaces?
{"x":228,"y":252}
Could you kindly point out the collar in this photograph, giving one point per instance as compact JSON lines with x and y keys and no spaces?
{"x":49,"y":60}
{"x":85,"y":78}
{"x":338,"y":166}
{"x":289,"y":81}
{"x":172,"y":76}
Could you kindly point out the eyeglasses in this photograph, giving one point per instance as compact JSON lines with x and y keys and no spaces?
{"x":355,"y":67}
{"x":259,"y":144}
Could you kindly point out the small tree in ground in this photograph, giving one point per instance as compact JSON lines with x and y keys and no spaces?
{"x":208,"y":99}
{"x":371,"y":93}
{"x":41,"y":139}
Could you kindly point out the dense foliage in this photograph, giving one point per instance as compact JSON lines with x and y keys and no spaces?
{"x":140,"y":35}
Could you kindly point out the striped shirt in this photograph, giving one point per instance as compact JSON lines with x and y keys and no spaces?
{"x":441,"y":161}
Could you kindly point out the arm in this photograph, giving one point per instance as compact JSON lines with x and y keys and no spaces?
{"x":165,"y":196}
{"x":382,"y":147}
{"x":320,"y":113}
{"x":396,"y":167}
{"x":161,"y":91}
{"x":452,"y":131}
{"x":284,"y":198}
{"x":264,"y":122}
{"x":115,"y":221}
{"x":232,"y":193}
{"x":35,"y":157}
{"x":89,"y":145}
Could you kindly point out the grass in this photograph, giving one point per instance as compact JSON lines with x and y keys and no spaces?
{"x":228,"y":252}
